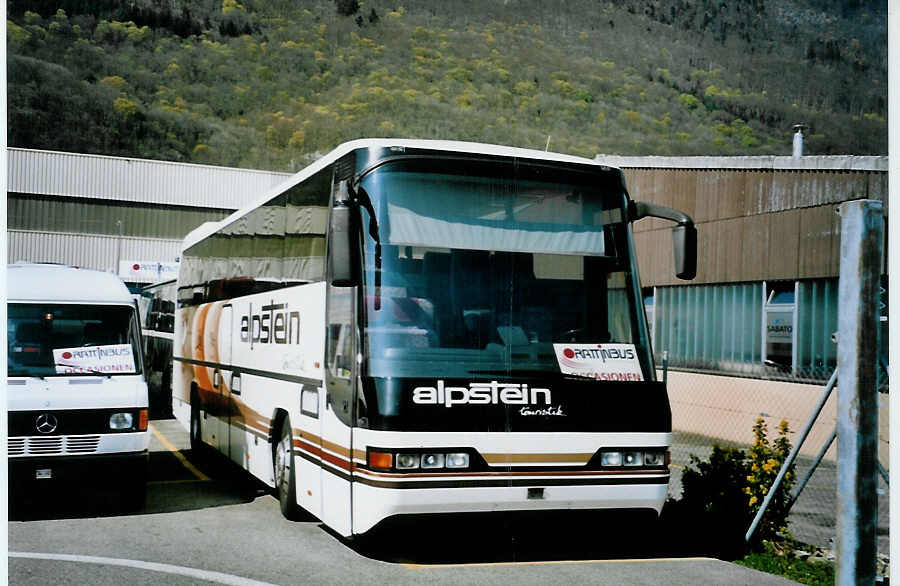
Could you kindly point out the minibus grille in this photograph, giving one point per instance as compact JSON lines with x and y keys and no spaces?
{"x":55,"y":445}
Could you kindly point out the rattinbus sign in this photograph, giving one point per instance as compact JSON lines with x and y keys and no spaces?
{"x":145,"y":271}
{"x":616,"y":362}
{"x":110,"y":359}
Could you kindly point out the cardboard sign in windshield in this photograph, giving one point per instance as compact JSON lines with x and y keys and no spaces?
{"x":111,"y":359}
{"x":614,"y":362}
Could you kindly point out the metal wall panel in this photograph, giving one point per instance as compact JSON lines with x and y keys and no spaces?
{"x":820,"y":233}
{"x":87,"y":250}
{"x":138,"y":180}
{"x":784,"y":245}
{"x":817,"y":306}
{"x":758,"y":223}
{"x":714,"y":327}
{"x":58,"y":214}
{"x":719,"y":327}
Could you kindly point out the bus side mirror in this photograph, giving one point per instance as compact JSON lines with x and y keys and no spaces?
{"x":684,"y":243}
{"x":344,"y":239}
{"x":684,"y":235}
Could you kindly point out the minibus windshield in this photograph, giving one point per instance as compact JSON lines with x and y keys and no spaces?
{"x":65,"y":340}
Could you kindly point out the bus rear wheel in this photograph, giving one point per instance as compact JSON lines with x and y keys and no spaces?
{"x":285,"y":478}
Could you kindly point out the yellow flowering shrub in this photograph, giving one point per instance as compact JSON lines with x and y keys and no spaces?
{"x":765,"y":459}
{"x":721,"y":495}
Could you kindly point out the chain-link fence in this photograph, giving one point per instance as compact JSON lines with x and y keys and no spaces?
{"x":709,"y":409}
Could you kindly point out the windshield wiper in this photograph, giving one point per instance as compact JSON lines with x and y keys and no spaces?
{"x":541,"y":374}
{"x":83,"y":368}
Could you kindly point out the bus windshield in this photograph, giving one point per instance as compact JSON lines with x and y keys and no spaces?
{"x":483,"y":272}
{"x":65,"y":340}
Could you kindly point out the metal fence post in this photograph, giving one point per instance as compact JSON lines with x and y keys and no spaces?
{"x":857,"y":408}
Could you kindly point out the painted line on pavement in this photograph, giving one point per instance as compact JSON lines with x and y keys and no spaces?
{"x":555,"y":562}
{"x":178,"y":481}
{"x":184,"y":461}
{"x":140,"y":565}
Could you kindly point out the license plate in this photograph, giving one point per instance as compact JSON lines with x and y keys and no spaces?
{"x":42,"y":473}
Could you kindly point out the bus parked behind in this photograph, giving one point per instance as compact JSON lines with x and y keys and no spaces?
{"x":158,"y":332}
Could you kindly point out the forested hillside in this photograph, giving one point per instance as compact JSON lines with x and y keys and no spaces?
{"x":270,"y":83}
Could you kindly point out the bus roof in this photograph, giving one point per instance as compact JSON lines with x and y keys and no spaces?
{"x":63,"y":284}
{"x":447,"y":146}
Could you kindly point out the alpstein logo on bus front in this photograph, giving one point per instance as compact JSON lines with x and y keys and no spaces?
{"x":613,"y":362}
{"x":481,"y":393}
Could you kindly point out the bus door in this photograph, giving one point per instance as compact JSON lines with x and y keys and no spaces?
{"x":231,"y":389}
{"x":223,"y":377}
{"x":336,"y":421}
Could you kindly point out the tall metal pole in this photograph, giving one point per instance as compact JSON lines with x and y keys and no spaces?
{"x":857,"y":408}
{"x":121,"y":229}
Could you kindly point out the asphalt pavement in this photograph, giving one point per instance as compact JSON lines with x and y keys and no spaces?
{"x":205,"y":522}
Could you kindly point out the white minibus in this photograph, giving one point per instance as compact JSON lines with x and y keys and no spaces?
{"x":77,"y":396}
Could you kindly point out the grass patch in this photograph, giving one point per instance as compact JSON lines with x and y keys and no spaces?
{"x":793,"y":568}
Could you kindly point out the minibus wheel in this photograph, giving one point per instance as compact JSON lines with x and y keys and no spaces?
{"x":134,"y":497}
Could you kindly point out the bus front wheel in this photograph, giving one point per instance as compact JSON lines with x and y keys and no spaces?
{"x":285,"y":479}
{"x":196,"y":432}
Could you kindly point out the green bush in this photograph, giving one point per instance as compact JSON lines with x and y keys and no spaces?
{"x":721,"y":496}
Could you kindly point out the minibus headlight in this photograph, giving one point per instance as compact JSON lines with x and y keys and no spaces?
{"x":457,"y":460}
{"x":654,"y":458}
{"x":632,"y":459}
{"x":407,"y":461}
{"x":611,"y":459}
{"x":432,"y":460}
{"x":121,"y":421}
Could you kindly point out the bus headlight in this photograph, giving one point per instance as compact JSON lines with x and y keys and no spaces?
{"x":457,"y":460}
{"x":121,"y":421}
{"x":655,"y":458}
{"x":432,"y":460}
{"x":611,"y":459}
{"x":407,"y":461}
{"x":632,"y":459}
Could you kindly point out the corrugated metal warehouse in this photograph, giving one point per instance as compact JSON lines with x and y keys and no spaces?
{"x":112,"y":213}
{"x":768,"y":262}
{"x":768,"y":238}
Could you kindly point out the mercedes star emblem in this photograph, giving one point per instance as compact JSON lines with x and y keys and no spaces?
{"x":46,"y":423}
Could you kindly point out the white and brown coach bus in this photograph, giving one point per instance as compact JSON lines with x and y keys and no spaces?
{"x":412,"y":327}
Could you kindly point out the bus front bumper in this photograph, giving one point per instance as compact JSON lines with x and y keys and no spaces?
{"x":373,"y":504}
